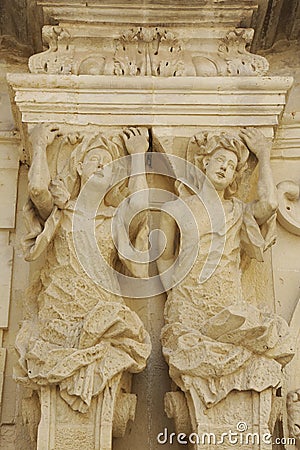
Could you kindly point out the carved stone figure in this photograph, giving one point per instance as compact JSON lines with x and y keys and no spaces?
{"x":80,"y":337}
{"x":214,"y":341}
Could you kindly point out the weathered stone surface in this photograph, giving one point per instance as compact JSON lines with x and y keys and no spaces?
{"x":9,"y":168}
{"x":147,"y":101}
{"x":81,"y":339}
{"x":171,"y":70}
{"x":211,"y":339}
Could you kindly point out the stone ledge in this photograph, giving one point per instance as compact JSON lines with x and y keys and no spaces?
{"x":155,"y":12}
{"x":287,"y":141}
{"x":199,"y":101}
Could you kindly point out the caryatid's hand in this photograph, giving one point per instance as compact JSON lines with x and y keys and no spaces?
{"x":256,"y":142}
{"x":135,"y":141}
{"x":44,"y":134}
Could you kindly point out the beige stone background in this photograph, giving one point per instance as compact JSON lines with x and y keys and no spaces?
{"x":277,"y":27}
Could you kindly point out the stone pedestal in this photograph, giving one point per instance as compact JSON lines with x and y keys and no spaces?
{"x":241,"y":419}
{"x":63,"y":428}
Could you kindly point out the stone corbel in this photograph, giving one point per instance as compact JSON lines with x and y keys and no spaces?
{"x":211,"y":40}
{"x":234,"y":49}
{"x":231,"y":57}
{"x":289,"y":206}
{"x":58,"y":58}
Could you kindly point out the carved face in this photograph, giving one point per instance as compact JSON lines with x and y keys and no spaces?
{"x":220,"y":168}
{"x":94,"y":161}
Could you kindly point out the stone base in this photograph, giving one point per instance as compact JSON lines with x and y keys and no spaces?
{"x":239,"y":421}
{"x":62,"y":428}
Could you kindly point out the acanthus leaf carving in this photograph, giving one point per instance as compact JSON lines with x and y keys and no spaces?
{"x":58,"y":58}
{"x":148,"y":51}
{"x":239,"y":61}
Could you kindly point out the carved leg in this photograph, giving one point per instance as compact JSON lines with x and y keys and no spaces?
{"x":263,"y":412}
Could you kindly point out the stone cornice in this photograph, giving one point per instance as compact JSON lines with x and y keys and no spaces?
{"x":263,"y":84}
{"x":232,"y":13}
{"x":10,"y":136}
{"x":287,"y":141}
{"x":182,"y":101}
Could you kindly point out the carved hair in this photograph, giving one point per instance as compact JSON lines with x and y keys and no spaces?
{"x":204,"y":144}
{"x":66,"y":184}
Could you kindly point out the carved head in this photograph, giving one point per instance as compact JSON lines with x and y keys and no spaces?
{"x":222,"y":157}
{"x":94,"y":161}
{"x":220,"y":168}
{"x":94,"y":155}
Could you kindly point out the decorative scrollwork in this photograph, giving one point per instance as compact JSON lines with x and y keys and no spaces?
{"x":289,"y":206}
{"x":148,"y":51}
{"x":234,"y":49}
{"x":59,"y":56}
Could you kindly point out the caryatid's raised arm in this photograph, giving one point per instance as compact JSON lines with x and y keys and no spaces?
{"x":39,"y":176}
{"x":267,"y":203}
{"x":137,"y":143}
